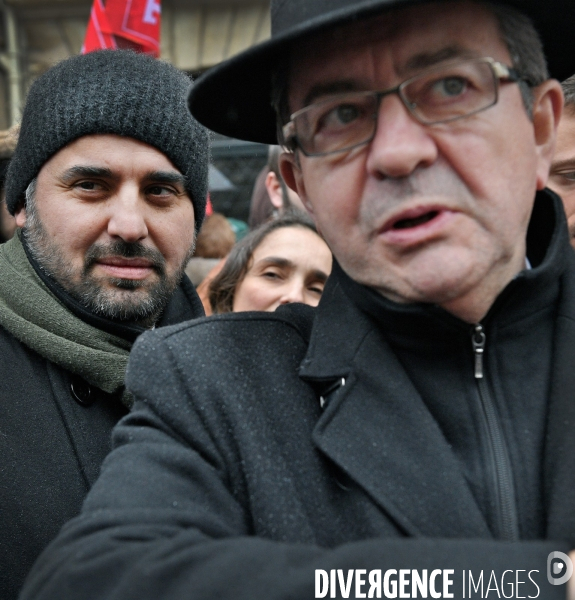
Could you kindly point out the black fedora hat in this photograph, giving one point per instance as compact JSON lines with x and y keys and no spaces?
{"x":233,"y":98}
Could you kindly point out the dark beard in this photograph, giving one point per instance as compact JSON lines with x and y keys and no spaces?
{"x":134,"y":301}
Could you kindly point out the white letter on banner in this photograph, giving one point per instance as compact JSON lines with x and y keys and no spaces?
{"x":153,"y":8}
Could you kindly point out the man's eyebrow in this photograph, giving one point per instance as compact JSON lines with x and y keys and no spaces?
{"x":166,"y":177}
{"x":415,"y":63}
{"x":562,"y":164}
{"x":86,"y":171}
{"x":425,"y":60}
{"x":333,"y":87}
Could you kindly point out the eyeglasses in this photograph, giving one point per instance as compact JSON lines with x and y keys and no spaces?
{"x":438,"y":95}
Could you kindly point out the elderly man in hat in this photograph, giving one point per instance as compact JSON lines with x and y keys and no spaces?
{"x":108,"y":184}
{"x":414,"y":436}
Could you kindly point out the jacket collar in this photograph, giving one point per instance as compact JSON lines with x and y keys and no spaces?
{"x":338,"y":314}
{"x":376,"y":427}
{"x":560,"y":441}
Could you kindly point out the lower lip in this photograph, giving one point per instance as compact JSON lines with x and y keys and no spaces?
{"x":136,"y":273}
{"x":411,"y":236}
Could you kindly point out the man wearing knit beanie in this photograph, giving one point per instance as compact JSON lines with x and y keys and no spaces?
{"x":108,"y":185}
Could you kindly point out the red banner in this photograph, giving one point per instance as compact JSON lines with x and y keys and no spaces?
{"x":97,"y":33}
{"x":129,"y":23}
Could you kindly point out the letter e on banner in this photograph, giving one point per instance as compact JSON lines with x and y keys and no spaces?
{"x":152,"y":12}
{"x":137,"y":21}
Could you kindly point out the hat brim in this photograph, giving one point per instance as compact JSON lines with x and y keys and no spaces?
{"x":233,"y":98}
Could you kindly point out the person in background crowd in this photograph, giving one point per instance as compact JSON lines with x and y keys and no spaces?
{"x":216,"y":238}
{"x":108,"y":184}
{"x":213,"y":243}
{"x":281,"y":197}
{"x":562,"y":175}
{"x":419,"y":423}
{"x":271,"y":197}
{"x":8,"y":140}
{"x":261,"y":209}
{"x":282,"y":261}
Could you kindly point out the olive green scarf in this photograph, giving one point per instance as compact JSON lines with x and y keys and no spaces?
{"x":33,"y":315}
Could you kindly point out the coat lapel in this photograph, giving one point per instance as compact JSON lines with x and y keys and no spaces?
{"x":377,"y":429}
{"x":560,"y":442}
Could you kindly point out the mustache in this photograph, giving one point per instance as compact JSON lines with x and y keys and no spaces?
{"x":126,"y":250}
{"x":423,"y":182}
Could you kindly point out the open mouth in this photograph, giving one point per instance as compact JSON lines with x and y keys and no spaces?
{"x":408,"y":223}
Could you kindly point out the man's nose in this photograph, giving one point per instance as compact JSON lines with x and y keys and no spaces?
{"x":127,"y":217}
{"x":400,"y":144}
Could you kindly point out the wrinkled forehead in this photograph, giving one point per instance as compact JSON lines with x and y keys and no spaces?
{"x":384,"y":49}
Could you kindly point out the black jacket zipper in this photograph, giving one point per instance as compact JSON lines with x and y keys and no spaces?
{"x":501,"y":466}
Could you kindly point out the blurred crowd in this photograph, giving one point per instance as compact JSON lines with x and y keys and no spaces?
{"x":285,"y":266}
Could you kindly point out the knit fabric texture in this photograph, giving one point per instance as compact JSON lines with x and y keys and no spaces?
{"x":111,"y":92}
{"x":44,"y":324}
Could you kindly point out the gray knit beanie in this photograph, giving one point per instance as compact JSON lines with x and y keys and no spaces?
{"x":111,"y":91}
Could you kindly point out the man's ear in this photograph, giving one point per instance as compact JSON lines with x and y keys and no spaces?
{"x":291,"y":172}
{"x":274,"y":190}
{"x":547,"y":108}
{"x":20,"y":216}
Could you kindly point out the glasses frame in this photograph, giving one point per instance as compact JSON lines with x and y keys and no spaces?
{"x":499,"y":71}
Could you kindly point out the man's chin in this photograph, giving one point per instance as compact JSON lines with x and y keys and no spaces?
{"x":136,"y":301}
{"x":129,"y":284}
{"x":131,"y":301}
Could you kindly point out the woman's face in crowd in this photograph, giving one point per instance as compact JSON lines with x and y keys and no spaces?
{"x":291,"y":264}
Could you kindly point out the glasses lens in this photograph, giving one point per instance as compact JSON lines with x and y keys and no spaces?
{"x":339,"y":123}
{"x":451,"y":92}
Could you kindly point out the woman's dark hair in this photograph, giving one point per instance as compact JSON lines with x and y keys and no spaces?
{"x":223,"y":287}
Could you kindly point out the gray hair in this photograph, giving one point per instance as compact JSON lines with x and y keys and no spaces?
{"x":569,"y":91}
{"x":30,"y":192}
{"x":517,"y":33}
{"x":30,"y":195}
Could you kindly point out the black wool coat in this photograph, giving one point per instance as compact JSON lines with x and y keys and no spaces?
{"x":265,"y":446}
{"x":55,"y":431}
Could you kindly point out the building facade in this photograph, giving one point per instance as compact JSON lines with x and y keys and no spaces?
{"x":195,"y":35}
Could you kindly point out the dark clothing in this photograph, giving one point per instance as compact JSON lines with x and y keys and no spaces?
{"x":264,"y":446}
{"x":122,"y":93}
{"x":54,"y":434}
{"x":435,"y":350}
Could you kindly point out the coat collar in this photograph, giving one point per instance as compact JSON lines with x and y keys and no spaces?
{"x":364,"y":424}
{"x":560,"y":440}
{"x":377,"y":429}
{"x":346,"y":305}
